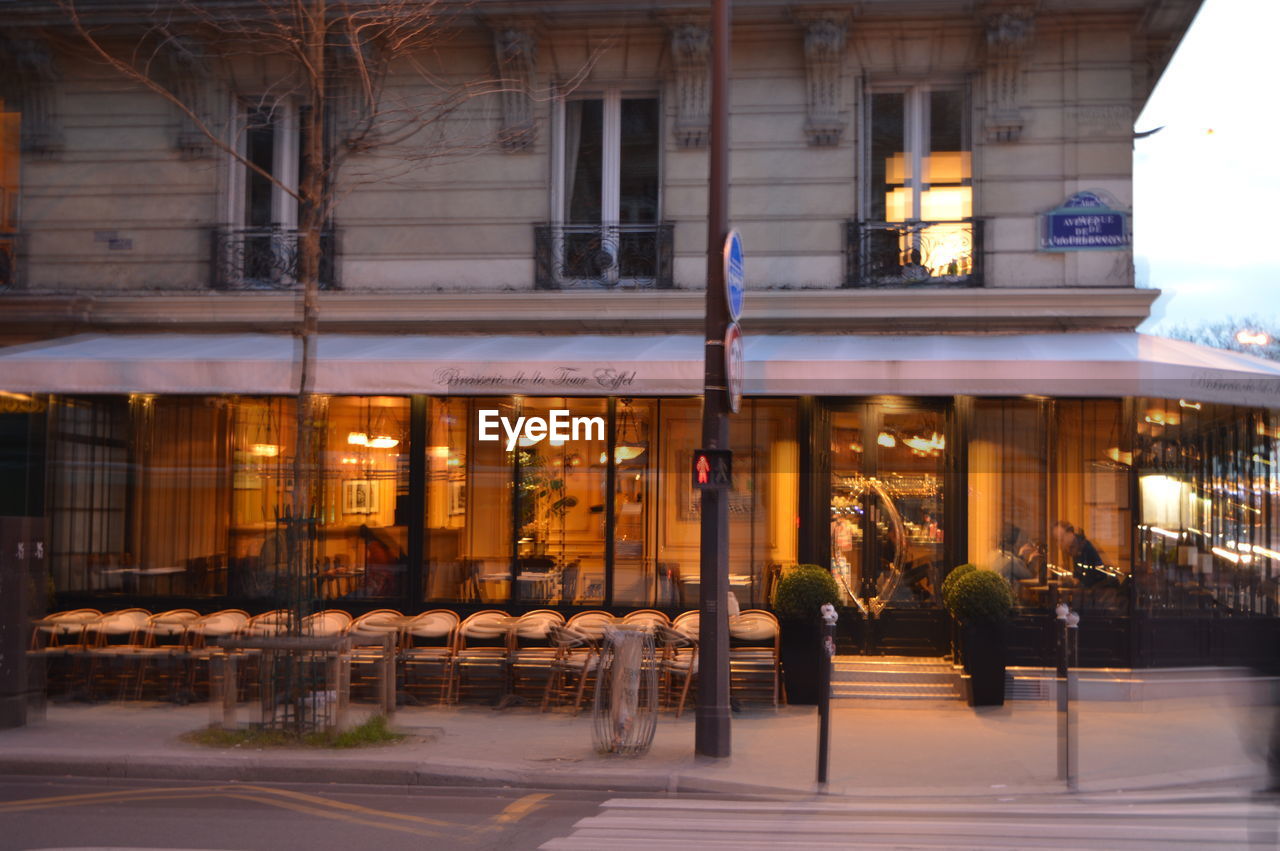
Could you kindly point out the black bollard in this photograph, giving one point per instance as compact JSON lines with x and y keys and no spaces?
{"x":824,"y":689}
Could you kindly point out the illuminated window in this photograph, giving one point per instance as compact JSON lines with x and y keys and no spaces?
{"x":919,"y":196}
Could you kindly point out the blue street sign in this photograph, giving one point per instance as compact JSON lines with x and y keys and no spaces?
{"x":734,"y":275}
{"x":1084,"y":221}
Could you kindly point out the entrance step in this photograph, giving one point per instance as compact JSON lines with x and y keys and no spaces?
{"x":895,"y":677}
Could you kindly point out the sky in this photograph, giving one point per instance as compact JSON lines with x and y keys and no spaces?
{"x":1205,"y":186}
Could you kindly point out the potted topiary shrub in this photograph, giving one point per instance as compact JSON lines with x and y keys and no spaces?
{"x":981,"y":602}
{"x":948,"y":586}
{"x":801,"y":592}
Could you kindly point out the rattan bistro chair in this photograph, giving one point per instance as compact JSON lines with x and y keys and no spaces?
{"x":164,"y":653}
{"x":679,"y":663}
{"x":754,"y":657}
{"x":532,"y":652}
{"x":57,"y":641}
{"x":112,"y":644}
{"x":480,"y":660}
{"x":651,"y":618}
{"x":369,"y":635}
{"x":576,"y":663}
{"x":427,"y":655}
{"x":202,"y":644}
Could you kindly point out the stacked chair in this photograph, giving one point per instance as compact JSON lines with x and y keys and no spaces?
{"x":426,"y":656}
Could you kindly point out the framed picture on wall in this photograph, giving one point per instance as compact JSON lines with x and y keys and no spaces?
{"x":359,"y":496}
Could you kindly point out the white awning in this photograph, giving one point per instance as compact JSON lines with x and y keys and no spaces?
{"x":1091,"y":364}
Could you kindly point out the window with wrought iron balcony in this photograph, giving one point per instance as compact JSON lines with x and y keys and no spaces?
{"x":260,"y":249}
{"x":609,"y":233}
{"x":919,"y":229}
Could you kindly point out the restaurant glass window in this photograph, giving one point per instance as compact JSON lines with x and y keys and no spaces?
{"x":763,"y":503}
{"x":1008,"y":489}
{"x":468,"y":504}
{"x":362,"y":534}
{"x":560,"y":489}
{"x":139,"y":493}
{"x":262,"y":450}
{"x":1209,"y":499}
{"x":1089,"y":492}
{"x":636,"y":576}
{"x":920,"y":193}
{"x":89,"y":486}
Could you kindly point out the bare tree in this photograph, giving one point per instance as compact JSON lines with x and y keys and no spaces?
{"x":1252,"y":335}
{"x":332,"y":58}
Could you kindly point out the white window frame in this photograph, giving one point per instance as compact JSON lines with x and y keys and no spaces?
{"x":611,"y":164}
{"x":284,"y":206}
{"x":915,"y":135}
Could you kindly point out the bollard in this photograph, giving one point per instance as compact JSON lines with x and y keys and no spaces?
{"x":829,"y":617}
{"x":1068,"y":694}
{"x":1073,"y":700}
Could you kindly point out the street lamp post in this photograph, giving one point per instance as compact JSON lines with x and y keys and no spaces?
{"x":711,"y":728}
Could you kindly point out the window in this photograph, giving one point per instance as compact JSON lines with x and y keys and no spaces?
{"x":919,"y":192}
{"x":608,"y":198}
{"x":259,"y":246}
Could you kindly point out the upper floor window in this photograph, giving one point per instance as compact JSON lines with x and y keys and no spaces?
{"x":919,"y":190}
{"x":259,"y":246}
{"x":606,"y":207}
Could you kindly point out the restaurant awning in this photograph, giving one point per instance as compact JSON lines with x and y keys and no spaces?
{"x":1067,"y":364}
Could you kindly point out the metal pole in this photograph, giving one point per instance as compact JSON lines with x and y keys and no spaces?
{"x":1073,"y":700}
{"x":824,"y":690}
{"x":1064,"y":730}
{"x":712,"y":722}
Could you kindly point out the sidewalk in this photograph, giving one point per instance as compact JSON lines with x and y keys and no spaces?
{"x":904,"y":749}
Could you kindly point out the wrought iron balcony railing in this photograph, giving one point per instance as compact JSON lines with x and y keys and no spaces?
{"x":602,"y":256}
{"x":265,"y":259}
{"x":913,"y":254}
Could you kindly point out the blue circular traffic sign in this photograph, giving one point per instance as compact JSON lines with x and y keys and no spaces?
{"x":734,"y":274}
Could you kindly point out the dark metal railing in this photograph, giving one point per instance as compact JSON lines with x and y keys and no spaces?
{"x":265,"y":259}
{"x":913,"y":254}
{"x":602,"y":256}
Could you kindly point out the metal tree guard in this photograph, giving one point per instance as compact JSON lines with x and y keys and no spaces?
{"x":626,"y":702}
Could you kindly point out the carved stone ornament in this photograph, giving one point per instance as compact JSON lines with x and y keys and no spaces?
{"x":691,"y":53}
{"x":516,"y":51}
{"x":185,"y":72}
{"x":824,"y":43}
{"x":30,"y":85}
{"x":1009,"y":36}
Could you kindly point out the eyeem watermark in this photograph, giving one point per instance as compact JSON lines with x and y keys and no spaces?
{"x":560,"y":427}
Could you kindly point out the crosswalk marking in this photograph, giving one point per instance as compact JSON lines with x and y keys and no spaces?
{"x":626,"y":823}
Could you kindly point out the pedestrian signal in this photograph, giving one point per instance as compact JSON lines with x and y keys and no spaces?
{"x":712,"y":469}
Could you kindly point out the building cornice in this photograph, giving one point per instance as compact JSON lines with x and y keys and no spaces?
{"x":31,"y":316}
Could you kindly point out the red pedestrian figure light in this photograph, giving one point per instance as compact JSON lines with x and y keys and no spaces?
{"x":704,"y":470}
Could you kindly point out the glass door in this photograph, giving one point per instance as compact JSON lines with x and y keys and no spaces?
{"x":887,"y":466}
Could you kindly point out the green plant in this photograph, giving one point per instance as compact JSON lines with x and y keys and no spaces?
{"x":981,"y":595}
{"x":949,"y":584}
{"x":802,"y":590}
{"x":374,"y":731}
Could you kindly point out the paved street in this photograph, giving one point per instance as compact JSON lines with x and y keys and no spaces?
{"x":1227,"y":819}
{"x":37,"y":813}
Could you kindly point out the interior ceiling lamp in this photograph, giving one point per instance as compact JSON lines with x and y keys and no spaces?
{"x":630,"y":446}
{"x":264,"y":450}
{"x":886,"y":440}
{"x":358,"y":438}
{"x":383,"y":442}
{"x":931,"y":445}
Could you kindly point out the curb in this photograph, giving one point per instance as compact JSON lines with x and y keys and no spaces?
{"x":650,"y":781}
